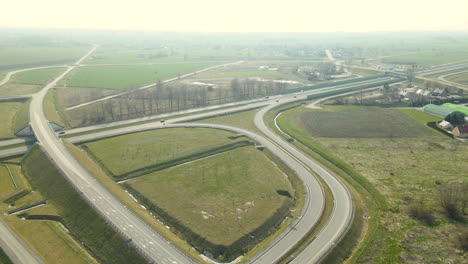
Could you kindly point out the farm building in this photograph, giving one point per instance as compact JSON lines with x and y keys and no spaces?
{"x":455,"y":107}
{"x":437,"y":110}
{"x":460,"y":131}
{"x":446,"y":125}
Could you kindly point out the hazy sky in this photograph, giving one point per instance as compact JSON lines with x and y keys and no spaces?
{"x":238,"y":15}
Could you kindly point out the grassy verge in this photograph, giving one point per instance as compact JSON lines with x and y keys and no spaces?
{"x":84,"y":223}
{"x":51,"y":242}
{"x":54,"y":109}
{"x":4,"y":259}
{"x":21,"y":117}
{"x":12,"y":113}
{"x":242,"y":119}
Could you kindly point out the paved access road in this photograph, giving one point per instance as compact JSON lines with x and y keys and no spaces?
{"x":15,"y":248}
{"x":340,"y":218}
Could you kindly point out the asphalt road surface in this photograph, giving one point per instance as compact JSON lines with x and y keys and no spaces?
{"x":342,"y":213}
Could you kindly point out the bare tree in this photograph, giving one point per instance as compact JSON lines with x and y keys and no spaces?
{"x":235,"y":88}
{"x":410,"y":74}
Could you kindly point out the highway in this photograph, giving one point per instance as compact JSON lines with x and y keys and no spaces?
{"x":144,"y":237}
{"x":445,"y":68}
{"x":15,"y":248}
{"x":342,"y":213}
{"x":147,"y":240}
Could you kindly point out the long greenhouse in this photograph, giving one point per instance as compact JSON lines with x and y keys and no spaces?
{"x":455,"y":107}
{"x":437,"y":110}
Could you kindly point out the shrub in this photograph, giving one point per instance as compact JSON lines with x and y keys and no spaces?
{"x":417,"y":211}
{"x":454,"y":199}
{"x":463,"y":239}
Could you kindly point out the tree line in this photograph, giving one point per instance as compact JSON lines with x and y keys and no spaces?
{"x":172,"y":98}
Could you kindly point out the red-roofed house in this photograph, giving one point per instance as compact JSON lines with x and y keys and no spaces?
{"x":461,"y":131}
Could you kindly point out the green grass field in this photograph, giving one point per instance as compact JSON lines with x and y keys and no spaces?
{"x":461,"y":78}
{"x":224,"y":196}
{"x":429,"y":58}
{"x":106,"y":55}
{"x":363,"y":72}
{"x":39,"y":77}
{"x":362,"y":123}
{"x":241,"y":119}
{"x":51,"y":109}
{"x":21,"y":57}
{"x":406,"y":171}
{"x":6,"y":184}
{"x":243,"y":74}
{"x":116,"y":56}
{"x":14,"y":116}
{"x":125,"y":77}
{"x":86,"y":224}
{"x":420,"y":116}
{"x":133,"y":151}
